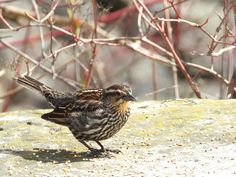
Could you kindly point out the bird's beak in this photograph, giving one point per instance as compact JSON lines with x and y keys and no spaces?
{"x":129,"y":97}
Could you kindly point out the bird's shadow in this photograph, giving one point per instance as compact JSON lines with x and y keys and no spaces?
{"x":51,"y":155}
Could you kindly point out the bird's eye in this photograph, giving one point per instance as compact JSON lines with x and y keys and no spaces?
{"x":119,"y":96}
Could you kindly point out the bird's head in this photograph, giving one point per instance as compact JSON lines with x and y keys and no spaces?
{"x":119,"y":96}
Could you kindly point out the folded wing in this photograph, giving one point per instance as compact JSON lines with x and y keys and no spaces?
{"x":80,"y":115}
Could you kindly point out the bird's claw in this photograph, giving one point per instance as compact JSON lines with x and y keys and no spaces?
{"x":103,"y":152}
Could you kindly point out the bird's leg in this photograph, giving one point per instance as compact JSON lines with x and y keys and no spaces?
{"x":86,"y":145}
{"x":94,"y":152}
{"x":100,"y":144}
{"x":116,"y":151}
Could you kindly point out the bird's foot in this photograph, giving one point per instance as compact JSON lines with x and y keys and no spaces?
{"x":115,"y":151}
{"x":95,"y":152}
{"x":103,"y":153}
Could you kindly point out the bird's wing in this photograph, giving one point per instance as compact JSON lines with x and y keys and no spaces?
{"x":80,"y":115}
{"x":86,"y":114}
{"x":59,"y":100}
{"x":57,"y":116}
{"x":88,"y":94}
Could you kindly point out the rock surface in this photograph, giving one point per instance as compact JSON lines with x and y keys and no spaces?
{"x":172,"y":138}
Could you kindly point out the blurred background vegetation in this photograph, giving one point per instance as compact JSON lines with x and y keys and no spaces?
{"x":163,"y":49}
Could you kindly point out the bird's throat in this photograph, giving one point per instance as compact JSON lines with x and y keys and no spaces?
{"x":124,"y":106}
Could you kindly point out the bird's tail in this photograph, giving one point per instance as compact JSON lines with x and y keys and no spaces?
{"x":30,"y":83}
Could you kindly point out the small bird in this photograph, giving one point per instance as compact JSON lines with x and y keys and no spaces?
{"x":90,"y":114}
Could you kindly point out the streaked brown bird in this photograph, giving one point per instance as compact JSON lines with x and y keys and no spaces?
{"x":90,"y":114}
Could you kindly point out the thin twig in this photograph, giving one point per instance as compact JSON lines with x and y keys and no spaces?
{"x":36,"y":63}
{"x":94,"y":46}
{"x":169,"y":33}
{"x":157,"y":27}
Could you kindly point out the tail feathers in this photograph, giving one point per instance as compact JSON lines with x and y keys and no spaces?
{"x":30,"y":83}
